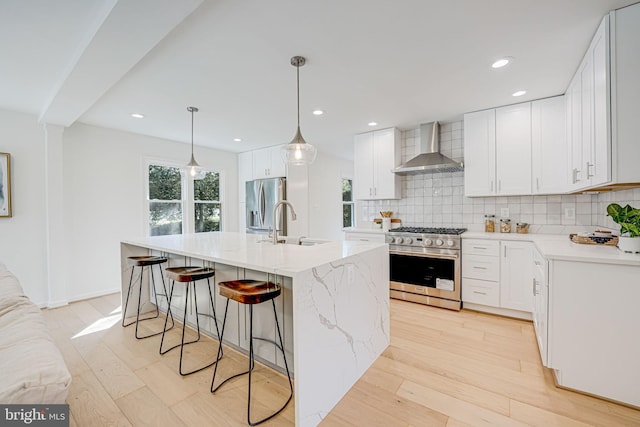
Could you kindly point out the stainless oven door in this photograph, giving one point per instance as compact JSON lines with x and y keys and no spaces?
{"x":431,"y":274}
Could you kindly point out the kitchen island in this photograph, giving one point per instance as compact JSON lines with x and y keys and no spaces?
{"x":334,"y":307}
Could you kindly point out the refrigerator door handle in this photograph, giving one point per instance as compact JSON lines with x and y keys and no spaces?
{"x":261,"y":204}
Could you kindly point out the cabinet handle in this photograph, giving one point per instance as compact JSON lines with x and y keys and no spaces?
{"x":479,"y":247}
{"x":478,"y":292}
{"x":590,"y":165}
{"x":479,"y":268}
{"x":537,"y":183}
{"x":505,"y":251}
{"x":537,"y":262}
{"x":375,"y":191}
{"x":575,"y":173}
{"x":499,"y":185}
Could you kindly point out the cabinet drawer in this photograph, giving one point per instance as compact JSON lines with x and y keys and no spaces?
{"x":481,"y":292}
{"x":481,"y":267}
{"x":481,"y":247}
{"x":365,"y":237}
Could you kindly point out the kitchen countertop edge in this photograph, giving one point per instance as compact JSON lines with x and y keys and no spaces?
{"x":559,"y":247}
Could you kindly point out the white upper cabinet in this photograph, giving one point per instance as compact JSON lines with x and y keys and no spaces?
{"x":480,"y":153}
{"x":268,"y":163}
{"x":375,"y":155}
{"x":497,"y":151}
{"x":549,"y":146}
{"x":588,"y":113}
{"x":625,"y":94}
{"x":513,"y":149}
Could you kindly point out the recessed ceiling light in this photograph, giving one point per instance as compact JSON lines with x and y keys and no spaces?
{"x":373,"y":123}
{"x":519,"y":93}
{"x":318,"y":112}
{"x":237,"y":139}
{"x":501,"y":62}
{"x":137,"y":116}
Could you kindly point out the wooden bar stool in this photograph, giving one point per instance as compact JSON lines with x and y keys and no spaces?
{"x":252,"y":292}
{"x":190,"y":275}
{"x":142,"y":262}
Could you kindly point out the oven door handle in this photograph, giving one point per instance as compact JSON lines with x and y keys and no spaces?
{"x":430,"y":255}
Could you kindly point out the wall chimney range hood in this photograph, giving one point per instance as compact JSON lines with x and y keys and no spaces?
{"x":429,"y":159}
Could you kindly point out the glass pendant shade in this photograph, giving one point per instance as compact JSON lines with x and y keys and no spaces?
{"x":298,"y":151}
{"x":193,"y":168}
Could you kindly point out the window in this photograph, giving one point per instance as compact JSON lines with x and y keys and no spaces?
{"x":347,"y":203}
{"x":179,"y":204}
{"x":165,"y":200}
{"x":206,"y":199}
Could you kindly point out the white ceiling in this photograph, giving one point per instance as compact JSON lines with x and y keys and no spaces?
{"x":399,"y":63}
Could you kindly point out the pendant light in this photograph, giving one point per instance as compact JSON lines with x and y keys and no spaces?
{"x":298,"y":151}
{"x":195,"y":170}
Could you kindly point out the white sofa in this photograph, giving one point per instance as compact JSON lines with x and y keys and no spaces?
{"x":33,"y":370}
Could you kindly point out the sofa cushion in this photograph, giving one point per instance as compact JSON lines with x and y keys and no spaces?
{"x":33,"y":370}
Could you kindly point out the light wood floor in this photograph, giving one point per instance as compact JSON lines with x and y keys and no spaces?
{"x":442,"y":368}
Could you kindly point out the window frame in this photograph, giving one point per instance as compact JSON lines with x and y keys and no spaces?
{"x":349,"y":202}
{"x":187,"y":201}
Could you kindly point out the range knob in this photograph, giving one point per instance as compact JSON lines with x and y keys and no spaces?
{"x":408,"y":240}
{"x":427,"y":242}
{"x":398,"y":240}
{"x":450,"y":243}
{"x":439,"y":242}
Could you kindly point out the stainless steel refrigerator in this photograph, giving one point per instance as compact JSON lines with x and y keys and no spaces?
{"x":262,"y":196}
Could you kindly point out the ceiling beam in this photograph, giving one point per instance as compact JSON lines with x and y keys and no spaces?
{"x":122,"y":36}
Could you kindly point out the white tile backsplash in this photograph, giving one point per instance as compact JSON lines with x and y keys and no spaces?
{"x":438,"y":199}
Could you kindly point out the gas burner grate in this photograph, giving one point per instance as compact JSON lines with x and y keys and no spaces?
{"x":428,"y":230}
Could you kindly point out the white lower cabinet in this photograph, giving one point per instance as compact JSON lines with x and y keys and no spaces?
{"x":593,"y":328}
{"x":364,"y":237}
{"x":516,"y":275}
{"x":498,"y":274}
{"x":540,"y":292}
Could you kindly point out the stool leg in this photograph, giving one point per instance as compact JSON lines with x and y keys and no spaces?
{"x":164,"y":289}
{"x":215,"y":319}
{"x":215,"y":370}
{"x":173,"y":283}
{"x":286,"y":366}
{"x":126,"y":304}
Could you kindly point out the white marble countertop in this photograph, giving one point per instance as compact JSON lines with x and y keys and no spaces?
{"x":248,"y":251}
{"x":559,"y":247}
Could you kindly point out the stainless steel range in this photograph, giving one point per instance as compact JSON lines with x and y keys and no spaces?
{"x":425,"y":265}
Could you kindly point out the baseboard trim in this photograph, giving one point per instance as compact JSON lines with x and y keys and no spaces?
{"x":90,"y":295}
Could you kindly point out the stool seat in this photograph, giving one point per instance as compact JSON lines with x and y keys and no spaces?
{"x":148,"y":261}
{"x":189,"y":273}
{"x":141,"y":261}
{"x":249,"y":291}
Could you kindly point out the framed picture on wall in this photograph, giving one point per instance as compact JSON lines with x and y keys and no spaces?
{"x":5,"y":185}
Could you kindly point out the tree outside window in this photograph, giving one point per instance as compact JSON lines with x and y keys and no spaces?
{"x":347,"y":203}
{"x":165,"y":200}
{"x":170,"y":206}
{"x":206,"y":196}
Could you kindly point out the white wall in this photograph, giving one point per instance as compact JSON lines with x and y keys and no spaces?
{"x":103,"y":202}
{"x":22,"y":237}
{"x":325,"y":196}
{"x":104,"y":183}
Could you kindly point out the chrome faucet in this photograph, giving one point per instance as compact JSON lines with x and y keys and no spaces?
{"x":275,"y":222}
